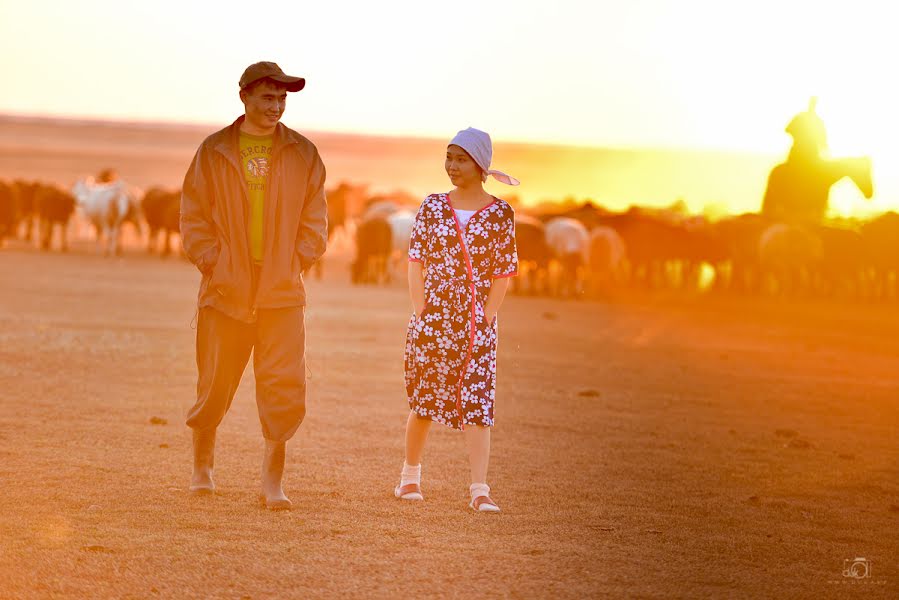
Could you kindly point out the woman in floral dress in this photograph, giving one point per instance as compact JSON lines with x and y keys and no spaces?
{"x":461,"y":255}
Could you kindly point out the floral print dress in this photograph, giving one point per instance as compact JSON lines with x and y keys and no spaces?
{"x":450,"y":358}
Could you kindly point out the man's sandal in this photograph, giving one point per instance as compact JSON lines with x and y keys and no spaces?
{"x":410,"y":491}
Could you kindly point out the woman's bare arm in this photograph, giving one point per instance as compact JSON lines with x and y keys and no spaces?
{"x":417,"y":286}
{"x":495,"y":298}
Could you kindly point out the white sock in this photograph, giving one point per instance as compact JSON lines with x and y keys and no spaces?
{"x":410,"y":474}
{"x":479,"y":489}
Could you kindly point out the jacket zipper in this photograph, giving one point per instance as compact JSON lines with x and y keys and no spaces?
{"x":235,"y":162}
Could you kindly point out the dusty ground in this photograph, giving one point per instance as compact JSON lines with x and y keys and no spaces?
{"x":654,"y":448}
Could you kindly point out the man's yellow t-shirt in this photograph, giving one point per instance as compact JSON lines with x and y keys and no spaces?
{"x":256,"y":157}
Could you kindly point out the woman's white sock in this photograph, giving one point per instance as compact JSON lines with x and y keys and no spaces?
{"x":479,"y":489}
{"x":410,"y":474}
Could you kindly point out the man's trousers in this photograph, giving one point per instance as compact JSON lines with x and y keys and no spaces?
{"x":278,"y":342}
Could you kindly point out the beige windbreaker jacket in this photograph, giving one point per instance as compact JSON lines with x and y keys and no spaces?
{"x":215,"y":222}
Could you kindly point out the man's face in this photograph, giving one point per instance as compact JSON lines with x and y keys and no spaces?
{"x":265,"y":104}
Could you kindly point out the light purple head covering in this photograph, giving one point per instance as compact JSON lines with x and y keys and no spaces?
{"x":477,"y":144}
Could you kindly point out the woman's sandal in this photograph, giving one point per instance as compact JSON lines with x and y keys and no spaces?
{"x":410,"y":491}
{"x":484,"y":504}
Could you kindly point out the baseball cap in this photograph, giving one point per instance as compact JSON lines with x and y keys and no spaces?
{"x":257,"y":71}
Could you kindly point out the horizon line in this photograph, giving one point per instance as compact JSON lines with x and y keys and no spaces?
{"x":74,"y":118}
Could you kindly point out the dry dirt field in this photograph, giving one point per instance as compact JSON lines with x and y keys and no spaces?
{"x":655,"y":447}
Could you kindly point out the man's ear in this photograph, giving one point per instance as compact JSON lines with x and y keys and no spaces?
{"x":243,"y":96}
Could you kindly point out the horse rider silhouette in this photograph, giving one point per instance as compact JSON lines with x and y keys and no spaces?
{"x":798,"y":190}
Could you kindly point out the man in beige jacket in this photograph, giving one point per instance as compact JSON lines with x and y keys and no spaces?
{"x":253,"y":218}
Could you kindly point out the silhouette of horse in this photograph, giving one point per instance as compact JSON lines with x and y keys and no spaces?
{"x":799,"y":190}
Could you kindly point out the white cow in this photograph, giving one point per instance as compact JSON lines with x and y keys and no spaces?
{"x":401,"y":227}
{"x":380,"y":210}
{"x":570,"y":242}
{"x":105,"y":205}
{"x":606,"y":257}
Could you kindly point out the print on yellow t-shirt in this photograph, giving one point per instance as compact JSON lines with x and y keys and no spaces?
{"x":255,"y":156}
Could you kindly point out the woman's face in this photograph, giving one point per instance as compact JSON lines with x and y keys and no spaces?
{"x":462,"y":170}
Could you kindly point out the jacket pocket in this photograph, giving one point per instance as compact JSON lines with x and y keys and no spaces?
{"x":221,"y":278}
{"x":296,"y":268}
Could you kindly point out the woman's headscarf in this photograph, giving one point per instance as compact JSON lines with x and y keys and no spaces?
{"x":478,"y":145}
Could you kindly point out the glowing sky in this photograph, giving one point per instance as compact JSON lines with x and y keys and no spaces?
{"x":636,"y":73}
{"x":705,"y":74}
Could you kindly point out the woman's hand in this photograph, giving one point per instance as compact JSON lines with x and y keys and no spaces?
{"x":495,"y":298}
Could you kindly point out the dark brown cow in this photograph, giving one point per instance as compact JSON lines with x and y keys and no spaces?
{"x":7,"y":211}
{"x":23,"y":194}
{"x":588,"y":214}
{"x":842,"y":270}
{"x":739,"y":236}
{"x":653,"y":245}
{"x":162,"y":211}
{"x":534,"y":255}
{"x":54,"y":208}
{"x":374,"y":243}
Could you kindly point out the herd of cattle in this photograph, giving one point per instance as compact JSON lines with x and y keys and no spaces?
{"x":597,"y":251}
{"x":30,"y":209}
{"x":588,"y":251}
{"x":585,"y":251}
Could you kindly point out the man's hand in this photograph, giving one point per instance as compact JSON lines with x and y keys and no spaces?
{"x":208,"y":260}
